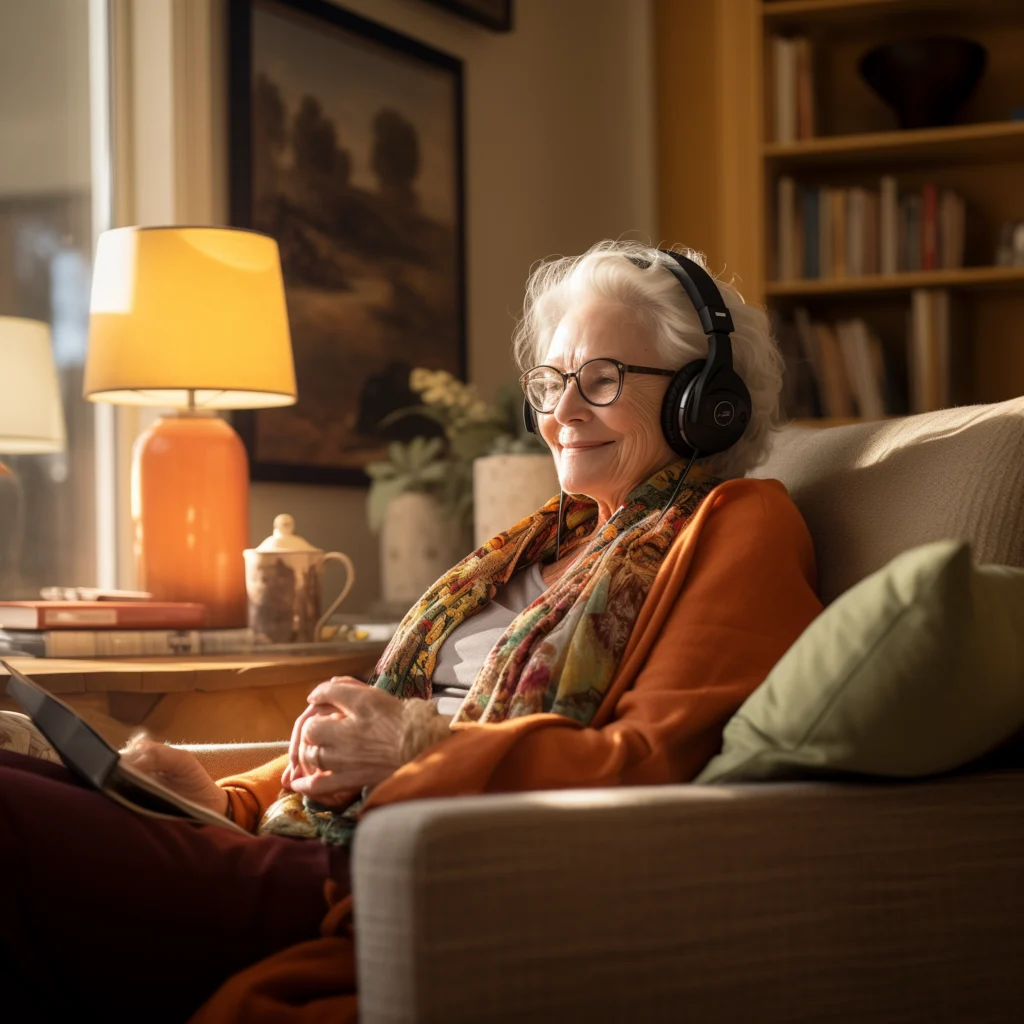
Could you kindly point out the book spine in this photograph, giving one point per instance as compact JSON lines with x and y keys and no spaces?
{"x":888,"y":228}
{"x":139,"y":617}
{"x":942,"y":348}
{"x":825,"y":233}
{"x":920,"y":355}
{"x":784,"y":60}
{"x":839,"y":228}
{"x":871,"y":261}
{"x":112,"y":643}
{"x":786,"y":270}
{"x":847,"y":349}
{"x":871,"y":369}
{"x":804,"y":88}
{"x":855,"y":206}
{"x":811,"y":208}
{"x":929,"y":227}
{"x":913,"y":229}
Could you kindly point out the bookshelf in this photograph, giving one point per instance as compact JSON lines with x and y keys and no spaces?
{"x":725,"y":203}
{"x":974,"y":278}
{"x":969,"y":143}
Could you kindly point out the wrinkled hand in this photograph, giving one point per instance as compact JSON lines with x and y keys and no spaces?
{"x":347,"y":738}
{"x":176,"y":769}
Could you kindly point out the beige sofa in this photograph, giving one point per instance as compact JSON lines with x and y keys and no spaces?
{"x":813,"y":902}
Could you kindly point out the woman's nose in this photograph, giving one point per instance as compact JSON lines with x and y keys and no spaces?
{"x":571,"y":405}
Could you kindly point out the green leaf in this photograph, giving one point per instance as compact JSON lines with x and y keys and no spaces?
{"x":380,"y":470}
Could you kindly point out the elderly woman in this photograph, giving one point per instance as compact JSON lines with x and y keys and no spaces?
{"x":604,"y":640}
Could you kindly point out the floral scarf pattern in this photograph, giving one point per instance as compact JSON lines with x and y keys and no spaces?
{"x":561,"y":653}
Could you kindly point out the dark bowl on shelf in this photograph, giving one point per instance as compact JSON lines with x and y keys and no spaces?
{"x":924,"y":80}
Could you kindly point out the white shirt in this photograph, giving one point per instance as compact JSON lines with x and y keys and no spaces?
{"x":463,"y":652}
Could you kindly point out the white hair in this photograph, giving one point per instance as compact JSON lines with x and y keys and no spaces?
{"x":661,"y":305}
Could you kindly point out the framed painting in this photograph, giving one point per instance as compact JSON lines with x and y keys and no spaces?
{"x":495,"y":14}
{"x":346,"y":146}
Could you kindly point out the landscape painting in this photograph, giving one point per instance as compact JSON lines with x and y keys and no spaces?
{"x":346,"y":147}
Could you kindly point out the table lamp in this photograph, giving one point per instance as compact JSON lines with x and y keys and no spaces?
{"x":192,"y":318}
{"x":31,"y":419}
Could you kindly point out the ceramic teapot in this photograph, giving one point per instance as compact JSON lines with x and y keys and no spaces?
{"x":284,"y":582}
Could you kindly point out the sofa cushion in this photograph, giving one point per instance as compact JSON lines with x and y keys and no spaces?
{"x":916,"y":670}
{"x":871,"y":490}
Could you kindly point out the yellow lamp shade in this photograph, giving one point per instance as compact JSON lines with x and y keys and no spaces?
{"x":31,"y":413}
{"x":189,"y":315}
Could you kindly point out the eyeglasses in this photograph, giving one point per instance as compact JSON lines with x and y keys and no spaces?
{"x":599,"y":382}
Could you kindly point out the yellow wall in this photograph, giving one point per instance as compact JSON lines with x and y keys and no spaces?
{"x":708,"y":103}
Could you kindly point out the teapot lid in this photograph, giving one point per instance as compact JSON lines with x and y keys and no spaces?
{"x":284,"y":537}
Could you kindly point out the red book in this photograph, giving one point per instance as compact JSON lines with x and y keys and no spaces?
{"x":929,"y":227}
{"x":101,"y":615}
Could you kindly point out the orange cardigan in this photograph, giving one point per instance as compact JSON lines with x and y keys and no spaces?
{"x":736,"y":589}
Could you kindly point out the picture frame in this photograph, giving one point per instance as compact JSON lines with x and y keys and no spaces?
{"x":346,"y":145}
{"x":495,"y":14}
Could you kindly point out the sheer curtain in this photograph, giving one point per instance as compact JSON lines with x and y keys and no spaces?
{"x":46,"y":243}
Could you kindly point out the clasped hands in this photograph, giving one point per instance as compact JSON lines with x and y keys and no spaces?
{"x":349,"y":737}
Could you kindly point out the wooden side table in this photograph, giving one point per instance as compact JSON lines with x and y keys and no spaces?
{"x":219,"y":699}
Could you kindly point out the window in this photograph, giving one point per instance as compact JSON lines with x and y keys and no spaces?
{"x":49,"y":209}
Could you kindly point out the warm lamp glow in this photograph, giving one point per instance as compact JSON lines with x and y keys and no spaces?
{"x":193,"y":318}
{"x":31,"y":414}
{"x":180,"y":313}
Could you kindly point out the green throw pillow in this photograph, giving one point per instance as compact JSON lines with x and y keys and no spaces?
{"x":916,"y":670}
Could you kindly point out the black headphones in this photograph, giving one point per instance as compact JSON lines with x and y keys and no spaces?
{"x":707,"y":406}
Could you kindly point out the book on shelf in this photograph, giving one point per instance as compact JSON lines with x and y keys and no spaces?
{"x":888,"y":225}
{"x":101,"y":615}
{"x":810,"y":205}
{"x":847,"y":359}
{"x":835,"y":232}
{"x":825,"y":232}
{"x":938,"y":365}
{"x":787,"y":225}
{"x":804,"y":59}
{"x":793,"y":88}
{"x":799,"y":398}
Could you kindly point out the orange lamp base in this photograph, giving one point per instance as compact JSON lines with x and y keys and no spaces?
{"x":190,"y":506}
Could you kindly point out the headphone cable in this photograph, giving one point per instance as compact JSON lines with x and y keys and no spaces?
{"x":679,"y":484}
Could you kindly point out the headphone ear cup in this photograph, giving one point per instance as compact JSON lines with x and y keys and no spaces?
{"x":672,"y":407}
{"x":529,"y":417}
{"x":723,"y":415}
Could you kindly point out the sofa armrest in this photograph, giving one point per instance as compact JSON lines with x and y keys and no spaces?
{"x":782,"y":902}
{"x":223,"y":759}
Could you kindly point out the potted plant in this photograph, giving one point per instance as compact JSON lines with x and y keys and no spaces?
{"x":421,"y":498}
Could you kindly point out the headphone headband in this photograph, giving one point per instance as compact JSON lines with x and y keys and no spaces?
{"x":703,"y":292}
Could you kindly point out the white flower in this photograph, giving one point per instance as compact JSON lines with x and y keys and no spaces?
{"x":419,"y":378}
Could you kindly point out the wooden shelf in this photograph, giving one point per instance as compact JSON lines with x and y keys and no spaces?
{"x":969,"y":143}
{"x":972,"y":278}
{"x":838,"y":11}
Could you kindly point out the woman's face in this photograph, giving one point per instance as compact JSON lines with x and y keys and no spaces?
{"x":605,"y":451}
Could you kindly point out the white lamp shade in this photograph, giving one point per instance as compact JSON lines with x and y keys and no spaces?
{"x":31,"y":413}
{"x":183,"y":312}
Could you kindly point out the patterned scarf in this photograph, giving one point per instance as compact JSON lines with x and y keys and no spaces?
{"x":561,"y":653}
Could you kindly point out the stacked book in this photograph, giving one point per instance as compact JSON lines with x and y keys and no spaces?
{"x":834,"y":369}
{"x":793,"y":107}
{"x":830,"y":232}
{"x":110,"y":629}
